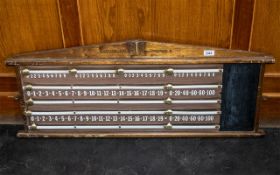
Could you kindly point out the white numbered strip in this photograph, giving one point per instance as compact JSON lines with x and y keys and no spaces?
{"x":50,"y":102}
{"x":178,"y":73}
{"x":100,"y":91}
{"x":125,"y":112}
{"x":131,"y":127}
{"x":108,"y":118}
{"x":124,"y":116}
{"x":125,"y":87}
{"x":122,"y":93}
{"x":125,"y":71}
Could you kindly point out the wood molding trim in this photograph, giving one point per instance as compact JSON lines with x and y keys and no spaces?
{"x":38,"y":134}
{"x":70,"y":22}
{"x":7,"y":75}
{"x":271,"y":95}
{"x":272,"y":75}
{"x":243,"y":15}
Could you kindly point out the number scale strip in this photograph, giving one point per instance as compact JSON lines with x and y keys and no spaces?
{"x":126,"y":87}
{"x":126,"y":112}
{"x":41,"y":102}
{"x":125,"y":71}
{"x":131,"y":127}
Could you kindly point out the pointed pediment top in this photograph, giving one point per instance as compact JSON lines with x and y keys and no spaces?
{"x":140,"y":51}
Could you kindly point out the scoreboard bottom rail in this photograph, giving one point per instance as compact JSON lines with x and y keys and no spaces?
{"x":85,"y":133}
{"x":131,"y":127}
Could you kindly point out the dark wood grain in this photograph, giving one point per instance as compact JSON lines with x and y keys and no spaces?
{"x":37,"y":25}
{"x":28,"y":25}
{"x":270,"y":84}
{"x":259,"y":98}
{"x":141,"y":52}
{"x":269,"y":112}
{"x":266,"y":31}
{"x":8,"y":83}
{"x":206,"y":22}
{"x":70,"y":24}
{"x":241,"y":31}
{"x":266,"y":38}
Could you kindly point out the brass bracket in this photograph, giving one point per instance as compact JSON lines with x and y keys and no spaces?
{"x":168,"y":126}
{"x":169,"y":71}
{"x":120,"y":71}
{"x":73,"y":71}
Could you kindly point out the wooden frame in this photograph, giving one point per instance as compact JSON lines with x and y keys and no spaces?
{"x":139,"y":53}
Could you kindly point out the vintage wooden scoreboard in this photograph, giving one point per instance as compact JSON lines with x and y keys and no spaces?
{"x":140,"y":89}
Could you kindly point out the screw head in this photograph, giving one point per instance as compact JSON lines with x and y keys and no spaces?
{"x":168,"y":126}
{"x":168,"y":112}
{"x":33,"y":126}
{"x":168,"y":101}
{"x":169,"y":71}
{"x":28,"y":87}
{"x":27,"y":113}
{"x":25,"y":72}
{"x":73,"y":71}
{"x":120,"y":71}
{"x":29,"y":102}
{"x":168,"y":87}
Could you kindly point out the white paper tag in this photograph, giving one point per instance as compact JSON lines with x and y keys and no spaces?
{"x":208,"y":53}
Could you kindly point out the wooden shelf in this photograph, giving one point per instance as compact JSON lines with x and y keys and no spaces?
{"x":52,"y":134}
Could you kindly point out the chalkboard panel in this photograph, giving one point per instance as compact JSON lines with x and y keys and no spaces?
{"x":240,"y":88}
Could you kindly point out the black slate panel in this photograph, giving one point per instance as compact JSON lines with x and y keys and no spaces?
{"x":240,"y":88}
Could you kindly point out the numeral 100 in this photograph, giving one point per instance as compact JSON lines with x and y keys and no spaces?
{"x":199,"y":92}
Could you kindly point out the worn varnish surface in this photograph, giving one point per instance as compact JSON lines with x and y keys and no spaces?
{"x":138,"y":135}
{"x":85,"y":22}
{"x":156,"y":20}
{"x":61,"y":23}
{"x":266,"y":38}
{"x":28,"y":26}
{"x":128,"y":54}
{"x":267,"y":20}
{"x":70,"y":22}
{"x":138,"y":52}
{"x":243,"y":14}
